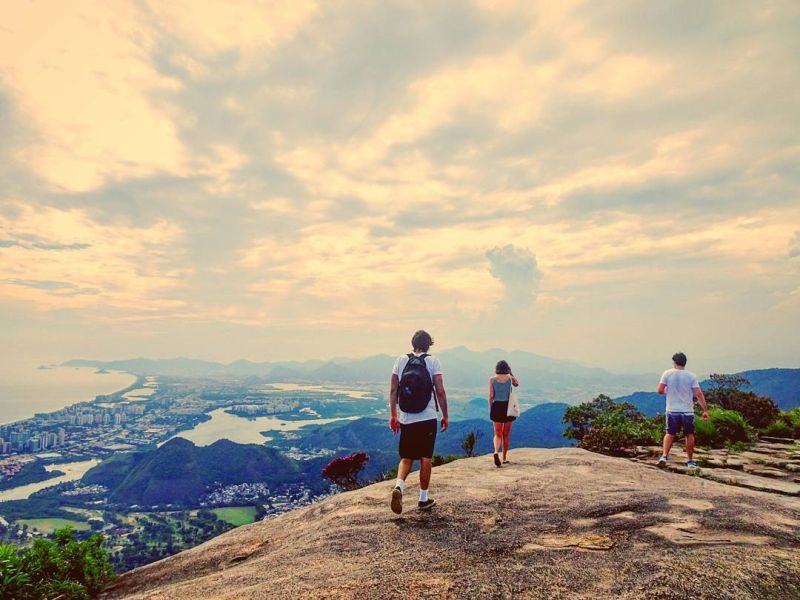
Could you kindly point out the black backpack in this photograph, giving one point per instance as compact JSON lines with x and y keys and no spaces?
{"x":416,"y":385}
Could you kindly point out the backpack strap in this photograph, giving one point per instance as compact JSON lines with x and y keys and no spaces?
{"x":423,"y":356}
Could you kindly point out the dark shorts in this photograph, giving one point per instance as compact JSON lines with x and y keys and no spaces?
{"x":678,"y":421}
{"x":498,"y":412}
{"x":417,"y":439}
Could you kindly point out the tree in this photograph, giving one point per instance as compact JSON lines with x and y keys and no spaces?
{"x":469,"y":442}
{"x":724,"y":381}
{"x":344,"y":470}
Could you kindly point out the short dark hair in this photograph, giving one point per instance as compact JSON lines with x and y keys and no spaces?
{"x":502,"y":368}
{"x":679,"y":358}
{"x":421,"y":340}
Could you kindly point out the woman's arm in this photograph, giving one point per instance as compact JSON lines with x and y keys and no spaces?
{"x":491,"y":392}
{"x":514,"y":380}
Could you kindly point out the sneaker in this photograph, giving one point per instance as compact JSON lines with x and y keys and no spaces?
{"x":692,"y":465}
{"x":397,"y":500}
{"x":662,"y":462}
{"x":427,"y":504}
{"x":496,"y":460}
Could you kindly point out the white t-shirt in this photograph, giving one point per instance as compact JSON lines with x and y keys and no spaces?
{"x":680,"y":390}
{"x":434,"y":368}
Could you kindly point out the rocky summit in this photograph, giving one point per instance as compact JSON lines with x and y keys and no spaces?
{"x":561,"y":523}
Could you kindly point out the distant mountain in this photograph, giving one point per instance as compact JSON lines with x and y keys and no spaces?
{"x":179,"y":472}
{"x":543,"y":379}
{"x":649,"y":403}
{"x":782,"y":385}
{"x":538,"y":427}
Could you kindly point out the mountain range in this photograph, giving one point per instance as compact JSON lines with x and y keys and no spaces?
{"x":544,"y":379}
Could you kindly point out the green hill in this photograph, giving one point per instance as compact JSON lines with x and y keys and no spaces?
{"x":180,"y":472}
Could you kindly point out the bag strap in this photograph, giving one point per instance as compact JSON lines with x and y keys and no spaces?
{"x":423,"y":356}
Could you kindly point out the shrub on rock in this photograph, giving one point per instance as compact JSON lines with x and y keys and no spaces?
{"x":344,"y":470}
{"x":723,"y":427}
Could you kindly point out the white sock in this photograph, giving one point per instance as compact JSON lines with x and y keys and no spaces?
{"x":423,"y":495}
{"x":401,"y":484}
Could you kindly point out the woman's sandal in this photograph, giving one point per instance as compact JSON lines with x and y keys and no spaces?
{"x":496,"y":460}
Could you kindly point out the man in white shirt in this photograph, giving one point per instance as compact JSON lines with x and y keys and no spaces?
{"x":681,"y":388}
{"x":416,"y":424}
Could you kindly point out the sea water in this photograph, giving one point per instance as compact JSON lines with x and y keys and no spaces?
{"x":28,"y":390}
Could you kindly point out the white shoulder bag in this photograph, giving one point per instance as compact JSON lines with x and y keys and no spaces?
{"x":513,"y":403}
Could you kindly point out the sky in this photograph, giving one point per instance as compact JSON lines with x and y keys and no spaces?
{"x":607,"y":182}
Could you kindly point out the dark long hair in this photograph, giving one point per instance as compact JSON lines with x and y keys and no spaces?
{"x":502,"y":368}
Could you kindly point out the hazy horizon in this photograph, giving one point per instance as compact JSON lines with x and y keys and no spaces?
{"x":605,"y":183}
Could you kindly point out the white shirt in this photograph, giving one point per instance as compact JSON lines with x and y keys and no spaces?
{"x":681,"y":385}
{"x":434,"y":368}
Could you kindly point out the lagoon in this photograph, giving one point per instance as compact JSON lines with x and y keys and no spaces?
{"x":243,"y":430}
{"x":72,"y":471}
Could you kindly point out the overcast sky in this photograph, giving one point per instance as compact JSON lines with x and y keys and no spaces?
{"x":607,"y":182}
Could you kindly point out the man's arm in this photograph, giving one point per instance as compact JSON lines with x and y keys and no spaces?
{"x":662,"y":388}
{"x":441,"y":397}
{"x":394,"y":386}
{"x":698,"y":393}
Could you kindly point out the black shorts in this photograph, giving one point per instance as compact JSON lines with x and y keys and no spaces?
{"x":498,"y":412}
{"x":417,"y":439}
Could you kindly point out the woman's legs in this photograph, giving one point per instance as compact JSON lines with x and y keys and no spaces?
{"x":506,"y":432}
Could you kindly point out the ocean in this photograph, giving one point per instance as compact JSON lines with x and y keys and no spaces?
{"x":30,"y":390}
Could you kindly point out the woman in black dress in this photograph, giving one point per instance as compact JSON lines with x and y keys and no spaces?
{"x":499,"y":394}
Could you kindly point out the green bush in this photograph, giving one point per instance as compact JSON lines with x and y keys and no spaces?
{"x":723,"y":427}
{"x":62,"y":567}
{"x":605,"y":426}
{"x":786,"y":424}
{"x":14,"y":582}
{"x":758,"y":411}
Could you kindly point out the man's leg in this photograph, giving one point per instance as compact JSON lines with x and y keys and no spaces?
{"x":688,"y":430}
{"x":404,"y":468}
{"x":690,"y":445}
{"x":397,"y":493}
{"x":427,"y":444}
{"x":424,"y":473}
{"x":674,"y":423}
{"x":668,"y":439}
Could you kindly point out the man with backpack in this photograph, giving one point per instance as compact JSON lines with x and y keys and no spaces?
{"x":416,"y":393}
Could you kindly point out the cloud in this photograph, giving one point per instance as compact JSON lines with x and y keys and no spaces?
{"x":53,"y":286}
{"x":54,"y":246}
{"x":794,"y":246}
{"x":517,"y":269}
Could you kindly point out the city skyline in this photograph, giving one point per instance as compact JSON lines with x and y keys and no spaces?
{"x":604,"y":183}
